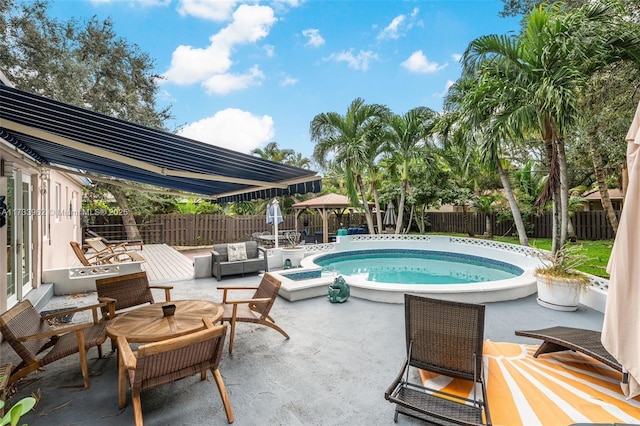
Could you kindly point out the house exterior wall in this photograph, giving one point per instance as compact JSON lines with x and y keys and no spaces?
{"x":63,"y":220}
{"x":48,"y":242}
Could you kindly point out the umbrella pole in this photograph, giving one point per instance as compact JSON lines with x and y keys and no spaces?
{"x":275,"y":223}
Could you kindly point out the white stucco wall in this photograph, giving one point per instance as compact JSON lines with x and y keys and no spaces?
{"x":64,"y":221}
{"x":50,"y":232}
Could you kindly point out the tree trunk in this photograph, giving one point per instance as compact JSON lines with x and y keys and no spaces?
{"x":365,"y":204}
{"x":406,"y":230}
{"x":488,"y":229}
{"x":403,"y":195}
{"x":128,"y":220}
{"x":515,"y":210}
{"x":467,"y":222}
{"x":601,"y":179}
{"x":564,"y":191}
{"x":376,"y":200}
{"x":571,"y":232}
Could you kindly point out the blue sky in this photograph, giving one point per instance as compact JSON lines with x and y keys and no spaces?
{"x":241,"y":74}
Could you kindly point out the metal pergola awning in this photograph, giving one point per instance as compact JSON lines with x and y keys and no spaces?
{"x":57,"y":134}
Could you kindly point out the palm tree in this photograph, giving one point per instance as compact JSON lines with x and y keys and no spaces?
{"x":407,"y":135}
{"x":485,"y":204}
{"x":542,"y":72}
{"x":471,"y":108}
{"x":273,"y":152}
{"x":349,"y":139}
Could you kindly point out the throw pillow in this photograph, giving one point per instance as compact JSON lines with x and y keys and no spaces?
{"x":236,"y":251}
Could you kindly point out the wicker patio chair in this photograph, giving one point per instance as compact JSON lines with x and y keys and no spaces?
{"x":446,"y":338}
{"x":160,"y":363}
{"x":254,"y":310}
{"x":92,"y":259}
{"x":38,"y":344}
{"x":125,"y":291}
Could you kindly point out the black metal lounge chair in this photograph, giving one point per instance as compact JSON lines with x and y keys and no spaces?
{"x":557,"y":339}
{"x":443,"y":337}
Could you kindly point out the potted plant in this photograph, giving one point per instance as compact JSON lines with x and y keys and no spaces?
{"x":559,"y":283}
{"x":292,"y":253}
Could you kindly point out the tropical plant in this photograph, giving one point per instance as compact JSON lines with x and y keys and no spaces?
{"x":349,"y":139}
{"x":563,"y":263}
{"x":273,"y":152}
{"x":543,"y":71}
{"x":407,"y":138}
{"x":470,"y":106}
{"x":85,"y":64}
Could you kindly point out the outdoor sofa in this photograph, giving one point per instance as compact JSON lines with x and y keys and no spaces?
{"x":238,"y":258}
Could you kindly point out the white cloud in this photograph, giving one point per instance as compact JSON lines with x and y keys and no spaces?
{"x":315,"y":39}
{"x":399,"y":26}
{"x":288,"y":81}
{"x":232,"y":128}
{"x":190,"y":65}
{"x":221,"y":84}
{"x":212,"y":65}
{"x":270,"y":50}
{"x":419,"y":63}
{"x":447,"y":86}
{"x":250,"y":24}
{"x":391,"y":31}
{"x":218,"y":11}
{"x":134,"y":3}
{"x":456,"y":57}
{"x":357,"y":62}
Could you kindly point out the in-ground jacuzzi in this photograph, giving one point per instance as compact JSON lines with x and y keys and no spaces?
{"x":520,"y":262}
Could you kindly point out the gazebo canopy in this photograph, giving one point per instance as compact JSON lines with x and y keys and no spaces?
{"x":325,"y":205}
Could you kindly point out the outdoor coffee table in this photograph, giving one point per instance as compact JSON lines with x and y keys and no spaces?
{"x":148,"y":323}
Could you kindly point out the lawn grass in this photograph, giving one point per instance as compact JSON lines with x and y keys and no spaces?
{"x":596,"y":252}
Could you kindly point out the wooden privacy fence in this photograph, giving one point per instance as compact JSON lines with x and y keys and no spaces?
{"x":206,"y":229}
{"x":589,"y":225}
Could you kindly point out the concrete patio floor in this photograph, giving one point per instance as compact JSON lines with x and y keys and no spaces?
{"x":333,"y":371}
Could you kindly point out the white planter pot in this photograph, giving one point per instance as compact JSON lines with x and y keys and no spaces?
{"x":293,"y":254}
{"x":560,"y":294}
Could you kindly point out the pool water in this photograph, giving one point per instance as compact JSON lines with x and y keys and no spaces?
{"x":400,"y":266}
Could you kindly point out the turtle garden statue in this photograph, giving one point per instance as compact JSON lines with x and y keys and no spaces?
{"x":338,"y":291}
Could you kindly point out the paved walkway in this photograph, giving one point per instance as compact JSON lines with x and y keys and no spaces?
{"x":333,"y":371}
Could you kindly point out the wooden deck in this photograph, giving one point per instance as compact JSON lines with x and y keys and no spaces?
{"x":163,"y":263}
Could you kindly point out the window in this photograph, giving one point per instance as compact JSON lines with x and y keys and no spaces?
{"x":58,"y":201}
{"x":46,"y":205}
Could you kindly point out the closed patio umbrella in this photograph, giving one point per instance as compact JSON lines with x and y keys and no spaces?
{"x":274,"y":217}
{"x":621,"y":329}
{"x":389,"y":215}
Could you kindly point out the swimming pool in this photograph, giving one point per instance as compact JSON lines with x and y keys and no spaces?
{"x":402,"y":266}
{"x":312,"y":281}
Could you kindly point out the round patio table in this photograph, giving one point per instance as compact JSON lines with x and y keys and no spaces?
{"x":148,"y":323}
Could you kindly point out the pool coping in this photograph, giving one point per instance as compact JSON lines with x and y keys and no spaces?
{"x":491,"y":291}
